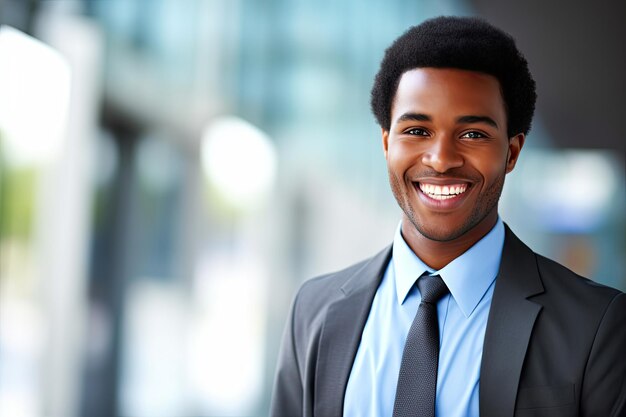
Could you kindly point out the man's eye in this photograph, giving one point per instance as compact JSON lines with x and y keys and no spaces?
{"x":417,"y":132}
{"x":473,"y":135}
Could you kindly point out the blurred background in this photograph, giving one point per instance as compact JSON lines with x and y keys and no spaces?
{"x":172,"y":170}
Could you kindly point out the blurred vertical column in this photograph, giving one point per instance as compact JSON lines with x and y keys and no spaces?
{"x":34,"y":94}
{"x":63,"y":225}
{"x":232,"y":277}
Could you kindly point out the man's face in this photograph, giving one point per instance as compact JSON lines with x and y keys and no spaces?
{"x":447,"y":152}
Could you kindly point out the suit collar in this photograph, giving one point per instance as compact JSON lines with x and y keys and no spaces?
{"x":341,"y":334}
{"x":510,"y":323}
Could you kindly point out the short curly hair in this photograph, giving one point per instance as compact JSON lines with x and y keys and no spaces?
{"x":464,"y":43}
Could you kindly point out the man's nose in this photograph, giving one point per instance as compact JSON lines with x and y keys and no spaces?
{"x":443,"y":154}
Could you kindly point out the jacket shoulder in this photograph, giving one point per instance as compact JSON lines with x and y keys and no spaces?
{"x":557,"y":277}
{"x":318,"y":292}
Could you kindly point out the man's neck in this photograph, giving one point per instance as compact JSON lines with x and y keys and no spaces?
{"x":437,"y":254}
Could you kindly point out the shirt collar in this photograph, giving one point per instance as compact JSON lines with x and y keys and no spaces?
{"x":468,"y":277}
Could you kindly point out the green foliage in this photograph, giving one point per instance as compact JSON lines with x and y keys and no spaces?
{"x":17,"y":195}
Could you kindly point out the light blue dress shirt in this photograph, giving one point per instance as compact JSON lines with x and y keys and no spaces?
{"x":462,"y":317}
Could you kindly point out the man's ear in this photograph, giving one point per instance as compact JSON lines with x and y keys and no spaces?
{"x":515,"y":146}
{"x":385,"y":135}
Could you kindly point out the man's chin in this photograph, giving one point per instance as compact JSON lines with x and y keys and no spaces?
{"x":440,"y":230}
{"x":441,"y":234}
{"x":430,"y":230}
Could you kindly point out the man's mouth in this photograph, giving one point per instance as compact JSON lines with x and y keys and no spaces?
{"x":442,"y":192}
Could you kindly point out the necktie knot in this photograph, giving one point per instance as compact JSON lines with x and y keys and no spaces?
{"x":432,"y":288}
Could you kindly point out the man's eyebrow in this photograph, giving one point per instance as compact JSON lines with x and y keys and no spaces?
{"x":415,"y":117}
{"x":477,"y":119}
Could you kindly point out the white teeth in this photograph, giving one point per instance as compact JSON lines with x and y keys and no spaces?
{"x":439,"y":192}
{"x":441,"y":197}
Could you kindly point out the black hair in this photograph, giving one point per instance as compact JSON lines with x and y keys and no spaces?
{"x":463,"y":43}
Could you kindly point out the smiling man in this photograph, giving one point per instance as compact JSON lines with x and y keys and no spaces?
{"x":457,"y":317}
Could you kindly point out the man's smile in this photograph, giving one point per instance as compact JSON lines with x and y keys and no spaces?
{"x":445,"y":197}
{"x":442,"y":192}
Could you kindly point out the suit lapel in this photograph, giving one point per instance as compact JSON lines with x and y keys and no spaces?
{"x":510,"y":323}
{"x":341,"y":335}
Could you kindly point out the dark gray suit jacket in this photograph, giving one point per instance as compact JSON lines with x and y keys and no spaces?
{"x":555,"y":343}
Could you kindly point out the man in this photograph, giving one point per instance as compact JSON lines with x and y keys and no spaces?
{"x":458,"y":317}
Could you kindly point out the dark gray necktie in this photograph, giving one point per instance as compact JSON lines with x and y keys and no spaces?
{"x":417,"y":381}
